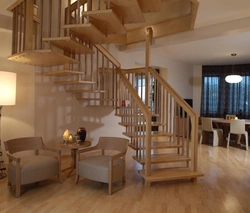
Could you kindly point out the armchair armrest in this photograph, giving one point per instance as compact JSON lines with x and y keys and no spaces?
{"x":12,"y":157}
{"x":83,"y":150}
{"x":58,"y":151}
{"x":113,"y":157}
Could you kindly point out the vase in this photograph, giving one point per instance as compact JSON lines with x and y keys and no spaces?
{"x":82,"y":133}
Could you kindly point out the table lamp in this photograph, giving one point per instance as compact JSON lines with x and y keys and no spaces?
{"x":7,"y":97}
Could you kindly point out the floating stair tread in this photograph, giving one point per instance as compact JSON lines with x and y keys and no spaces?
{"x":129,"y":11}
{"x":62,"y":73}
{"x":158,"y":145}
{"x":69,"y":45}
{"x":74,"y":82}
{"x":100,"y":106}
{"x":153,"y":134}
{"x":106,"y":21}
{"x":44,"y":58}
{"x":88,"y":32}
{"x":139,"y":124}
{"x":163,"y":158}
{"x":86,"y":91}
{"x":95,"y":99}
{"x":134,"y":115}
{"x":170,"y":174}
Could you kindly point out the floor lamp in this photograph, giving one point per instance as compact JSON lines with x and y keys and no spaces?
{"x":7,"y":97}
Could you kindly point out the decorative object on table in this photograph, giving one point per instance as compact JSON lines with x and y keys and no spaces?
{"x":66,"y":135}
{"x":240,"y":114}
{"x":76,"y":138}
{"x":82,"y":133}
{"x":229,"y":117}
{"x":70,"y":138}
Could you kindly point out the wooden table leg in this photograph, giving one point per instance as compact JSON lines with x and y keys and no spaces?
{"x":73,"y":161}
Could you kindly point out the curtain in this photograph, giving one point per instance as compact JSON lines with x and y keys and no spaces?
{"x":219,"y":97}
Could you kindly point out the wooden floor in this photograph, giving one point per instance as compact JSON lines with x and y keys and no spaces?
{"x":224,"y":188}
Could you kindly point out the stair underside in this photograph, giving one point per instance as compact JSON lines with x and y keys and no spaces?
{"x":69,"y":45}
{"x":62,"y":73}
{"x":44,"y":58}
{"x":170,"y":174}
{"x":88,"y":32}
{"x":156,"y":145}
{"x":130,"y":11}
{"x":106,"y":21}
{"x":163,"y":158}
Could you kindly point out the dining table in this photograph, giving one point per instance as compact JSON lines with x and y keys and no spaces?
{"x":221,"y":121}
{"x":224,"y":124}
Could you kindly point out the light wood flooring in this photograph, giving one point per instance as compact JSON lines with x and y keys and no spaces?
{"x":225,"y":187}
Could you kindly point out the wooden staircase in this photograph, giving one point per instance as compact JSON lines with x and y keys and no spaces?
{"x":163,"y":139}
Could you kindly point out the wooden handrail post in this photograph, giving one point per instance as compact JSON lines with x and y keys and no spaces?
{"x":28,"y":31}
{"x":149,"y":36}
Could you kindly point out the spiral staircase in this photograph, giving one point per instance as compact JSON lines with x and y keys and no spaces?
{"x":66,"y":39}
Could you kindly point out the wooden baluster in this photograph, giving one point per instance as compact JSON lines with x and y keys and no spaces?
{"x":59,"y":17}
{"x":14,"y":30}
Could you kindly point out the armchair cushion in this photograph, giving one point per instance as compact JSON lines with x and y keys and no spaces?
{"x":97,"y":168}
{"x":34,"y":168}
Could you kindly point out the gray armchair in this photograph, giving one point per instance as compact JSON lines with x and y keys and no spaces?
{"x":104,"y":168}
{"x":30,"y":168}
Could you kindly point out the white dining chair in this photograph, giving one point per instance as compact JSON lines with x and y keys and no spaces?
{"x":237,"y":127}
{"x":207,"y":128}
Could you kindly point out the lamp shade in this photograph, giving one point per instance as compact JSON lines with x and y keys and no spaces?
{"x":7,"y":88}
{"x":233,"y":79}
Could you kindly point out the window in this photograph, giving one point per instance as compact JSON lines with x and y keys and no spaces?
{"x":219,"y":97}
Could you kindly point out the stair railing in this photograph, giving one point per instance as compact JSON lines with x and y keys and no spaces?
{"x":180,"y":118}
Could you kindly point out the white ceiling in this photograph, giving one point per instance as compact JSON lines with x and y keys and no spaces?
{"x":222,"y":27}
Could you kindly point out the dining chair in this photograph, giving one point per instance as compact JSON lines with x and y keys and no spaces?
{"x":29,"y":163}
{"x":105,"y":167}
{"x":207,"y":128}
{"x":237,"y":127}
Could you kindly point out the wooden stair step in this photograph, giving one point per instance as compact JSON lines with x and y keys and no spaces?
{"x":46,"y":58}
{"x":95,"y":99}
{"x":69,"y":45}
{"x":132,"y":114}
{"x":62,"y":73}
{"x":129,"y":11}
{"x":163,"y":158}
{"x":88,"y":32}
{"x":126,"y":124}
{"x":157,"y":145}
{"x":106,"y":21}
{"x":74,"y":82}
{"x":153,"y":134}
{"x":170,"y":174}
{"x":86,"y":91}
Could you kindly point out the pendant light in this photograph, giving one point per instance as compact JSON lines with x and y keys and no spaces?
{"x":232,"y":79}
